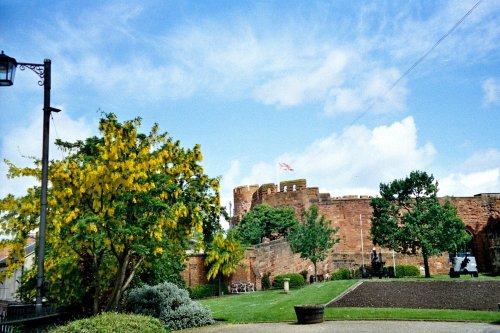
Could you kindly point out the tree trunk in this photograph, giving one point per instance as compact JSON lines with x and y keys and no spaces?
{"x":426,"y":264}
{"x":119,"y":280}
{"x":220,"y":277}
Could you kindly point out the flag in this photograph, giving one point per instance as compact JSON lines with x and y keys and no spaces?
{"x":284,"y":166}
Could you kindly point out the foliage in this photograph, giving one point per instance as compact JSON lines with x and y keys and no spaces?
{"x":170,"y":304}
{"x":343,"y":273}
{"x":313,"y":238}
{"x":202,"y":291}
{"x":205,"y":291}
{"x":224,"y":255}
{"x":407,"y":271}
{"x":164,"y":268}
{"x":265,"y":221}
{"x":296,"y":280}
{"x":116,"y":203}
{"x":407,"y":218}
{"x":266,"y":281}
{"x":110,"y":322}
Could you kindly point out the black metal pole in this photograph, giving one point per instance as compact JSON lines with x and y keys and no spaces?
{"x":43,"y":199}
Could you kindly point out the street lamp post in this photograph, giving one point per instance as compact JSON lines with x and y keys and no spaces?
{"x":7,"y":72}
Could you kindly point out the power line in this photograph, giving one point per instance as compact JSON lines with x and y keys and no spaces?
{"x":57,"y":135}
{"x":419,"y":61}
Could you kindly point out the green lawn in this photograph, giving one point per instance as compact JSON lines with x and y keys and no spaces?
{"x":275,"y":306}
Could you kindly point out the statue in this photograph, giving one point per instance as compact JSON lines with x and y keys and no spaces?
{"x":377,"y":264}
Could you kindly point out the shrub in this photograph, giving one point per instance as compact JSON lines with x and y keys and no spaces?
{"x":170,"y":304}
{"x":343,"y":273}
{"x":206,"y":290}
{"x":202,"y":291}
{"x":407,"y":271}
{"x":304,"y":274}
{"x":113,"y":322}
{"x":266,"y":281}
{"x":296,"y":280}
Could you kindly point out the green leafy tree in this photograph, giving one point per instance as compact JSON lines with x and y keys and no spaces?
{"x":224,"y":255}
{"x":408,"y":218}
{"x":265,"y":221}
{"x":116,"y":203}
{"x":313,"y":238}
{"x":164,"y":268}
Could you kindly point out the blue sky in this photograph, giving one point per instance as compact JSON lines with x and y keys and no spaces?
{"x":261,"y":82}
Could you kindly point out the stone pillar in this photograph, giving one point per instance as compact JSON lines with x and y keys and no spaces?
{"x":286,"y":285}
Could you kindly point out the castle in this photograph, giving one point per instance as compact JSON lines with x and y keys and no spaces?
{"x":352,"y":216}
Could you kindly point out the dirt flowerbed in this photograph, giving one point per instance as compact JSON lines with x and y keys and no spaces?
{"x":466,"y":295}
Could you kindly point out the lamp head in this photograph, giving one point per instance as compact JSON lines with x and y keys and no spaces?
{"x":7,"y":70}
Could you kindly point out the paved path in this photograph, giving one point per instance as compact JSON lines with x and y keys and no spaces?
{"x":380,"y":326}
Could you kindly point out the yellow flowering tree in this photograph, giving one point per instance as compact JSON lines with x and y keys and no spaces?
{"x":115,"y":203}
{"x":224,"y":255}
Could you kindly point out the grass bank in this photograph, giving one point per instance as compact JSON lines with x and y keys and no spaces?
{"x":276,"y":306}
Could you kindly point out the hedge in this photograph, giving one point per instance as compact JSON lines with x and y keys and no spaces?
{"x":296,"y":280}
{"x":111,"y":322}
{"x":343,"y":273}
{"x":206,"y":290}
{"x":407,"y":271}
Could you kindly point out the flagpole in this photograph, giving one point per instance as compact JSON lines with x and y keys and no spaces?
{"x":278,"y":176}
{"x":394,"y":263}
{"x":362,"y":245}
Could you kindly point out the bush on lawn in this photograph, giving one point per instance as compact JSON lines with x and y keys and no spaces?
{"x":343,"y":273}
{"x":296,"y":280}
{"x":407,"y":271}
{"x":170,"y":304}
{"x":111,"y":322}
{"x":206,"y":290}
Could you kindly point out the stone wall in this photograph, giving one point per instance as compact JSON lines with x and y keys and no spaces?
{"x":195,"y":272}
{"x":352,"y":215}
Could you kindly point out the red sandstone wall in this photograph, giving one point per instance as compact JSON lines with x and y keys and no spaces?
{"x":195,"y":272}
{"x":242,"y":202}
{"x":477,"y":212}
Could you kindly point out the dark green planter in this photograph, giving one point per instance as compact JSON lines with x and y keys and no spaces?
{"x":309,"y":313}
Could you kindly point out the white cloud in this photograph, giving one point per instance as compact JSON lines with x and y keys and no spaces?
{"x":479,"y":173}
{"x":303,"y":86}
{"x":491,"y":90}
{"x":354,"y":162}
{"x":24,"y":142}
{"x":299,"y":61}
{"x":467,"y":184}
{"x":374,"y":92}
{"x":362,"y":158}
{"x":357,"y":160}
{"x":482,"y":160}
{"x":229,"y":182}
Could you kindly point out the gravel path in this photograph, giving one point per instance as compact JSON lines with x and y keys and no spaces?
{"x":379,"y":326}
{"x":466,"y":295}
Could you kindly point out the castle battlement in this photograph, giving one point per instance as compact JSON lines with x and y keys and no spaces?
{"x":294,"y":193}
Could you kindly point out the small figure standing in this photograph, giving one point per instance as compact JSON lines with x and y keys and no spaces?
{"x":374,"y":256}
